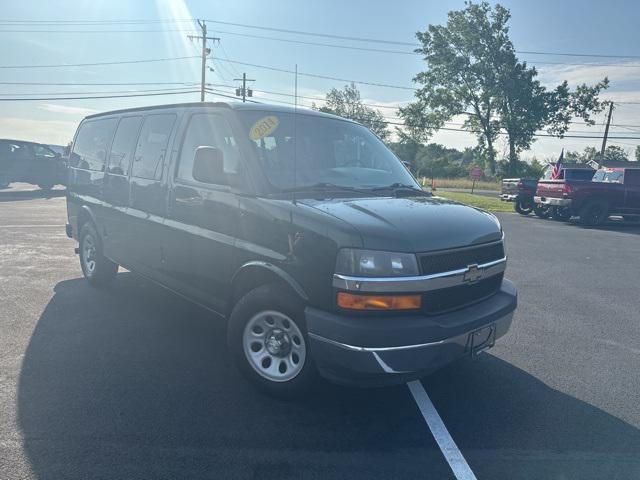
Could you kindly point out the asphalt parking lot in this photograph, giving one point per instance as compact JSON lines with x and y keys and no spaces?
{"x":133,"y":382}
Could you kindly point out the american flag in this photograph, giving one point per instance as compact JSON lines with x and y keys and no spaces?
{"x":555,"y":173}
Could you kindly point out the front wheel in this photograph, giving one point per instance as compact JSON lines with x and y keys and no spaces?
{"x":97,"y":269}
{"x":522,"y":207}
{"x":268,"y":341}
{"x":541,"y":210}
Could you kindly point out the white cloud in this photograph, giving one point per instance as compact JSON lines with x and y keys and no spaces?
{"x":58,"y":132}
{"x":618,"y":74}
{"x":66,"y":109}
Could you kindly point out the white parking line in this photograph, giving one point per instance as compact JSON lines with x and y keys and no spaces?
{"x":30,"y":226}
{"x":449,"y":449}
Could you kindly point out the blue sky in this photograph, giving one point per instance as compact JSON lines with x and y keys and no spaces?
{"x":568,"y":26}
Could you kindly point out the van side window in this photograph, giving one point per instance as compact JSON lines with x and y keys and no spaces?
{"x":152,"y":146}
{"x":209,"y":130}
{"x":123,"y":144}
{"x":92,"y":143}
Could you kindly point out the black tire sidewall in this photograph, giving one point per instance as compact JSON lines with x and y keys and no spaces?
{"x":586,"y":215}
{"x":522,"y":210}
{"x":105,"y":270}
{"x":279,"y":298}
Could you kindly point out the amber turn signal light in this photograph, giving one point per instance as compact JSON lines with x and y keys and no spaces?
{"x":379,"y":302}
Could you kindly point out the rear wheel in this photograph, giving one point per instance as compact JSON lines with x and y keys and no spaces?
{"x":541,"y":210}
{"x":594,"y":213}
{"x":268,"y":341}
{"x":523,"y":207}
{"x":97,"y":269}
{"x":562,"y":214}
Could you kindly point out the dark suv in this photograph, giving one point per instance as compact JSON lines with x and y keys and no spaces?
{"x":300,"y":228}
{"x":31,"y":163}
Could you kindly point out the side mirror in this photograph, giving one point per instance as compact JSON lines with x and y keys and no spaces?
{"x":208,"y":165}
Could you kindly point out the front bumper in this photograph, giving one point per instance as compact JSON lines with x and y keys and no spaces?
{"x":375,"y":351}
{"x":554,"y":202}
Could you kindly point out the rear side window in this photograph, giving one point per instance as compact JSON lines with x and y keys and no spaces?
{"x":123,"y":144}
{"x":209,"y":130}
{"x":14,"y":150}
{"x":152,"y":146}
{"x":92,"y":143}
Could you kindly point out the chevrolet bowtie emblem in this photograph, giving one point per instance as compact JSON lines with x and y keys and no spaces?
{"x":473,"y":274}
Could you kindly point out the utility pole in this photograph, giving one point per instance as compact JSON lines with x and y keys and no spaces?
{"x":205,"y":52}
{"x":606,"y":134}
{"x":244,"y":92}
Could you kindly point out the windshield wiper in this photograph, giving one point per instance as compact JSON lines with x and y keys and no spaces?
{"x":330,"y":186}
{"x":402,"y":186}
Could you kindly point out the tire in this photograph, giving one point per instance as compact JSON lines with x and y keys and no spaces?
{"x":522,"y":208}
{"x":594,"y":213}
{"x":561,"y":214}
{"x":267,"y":339}
{"x":97,"y":269}
{"x":541,"y":211}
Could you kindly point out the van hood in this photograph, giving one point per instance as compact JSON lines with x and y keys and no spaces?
{"x":417,"y":224}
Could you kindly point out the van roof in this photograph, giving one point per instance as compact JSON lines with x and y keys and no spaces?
{"x":231,"y":105}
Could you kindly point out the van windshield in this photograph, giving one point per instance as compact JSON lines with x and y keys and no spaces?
{"x":327,"y":152}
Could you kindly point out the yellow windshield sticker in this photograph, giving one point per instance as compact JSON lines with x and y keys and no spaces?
{"x":264,"y":127}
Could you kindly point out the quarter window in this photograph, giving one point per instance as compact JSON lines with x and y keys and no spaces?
{"x":209,"y":130}
{"x":92,"y":143}
{"x":152,"y":146}
{"x":123,"y":144}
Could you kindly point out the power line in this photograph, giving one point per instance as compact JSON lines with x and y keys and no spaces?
{"x":96,"y":84}
{"x":97,"y":93}
{"x":314,"y":75}
{"x":284,"y":30}
{"x":94,"y":97}
{"x":95,"y":64}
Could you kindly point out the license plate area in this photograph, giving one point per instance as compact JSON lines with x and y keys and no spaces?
{"x":481,"y":340}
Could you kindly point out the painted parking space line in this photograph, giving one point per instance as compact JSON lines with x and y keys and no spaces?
{"x":31,"y":226}
{"x":449,"y":449}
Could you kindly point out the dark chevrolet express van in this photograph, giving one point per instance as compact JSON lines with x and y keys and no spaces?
{"x":301,"y":228}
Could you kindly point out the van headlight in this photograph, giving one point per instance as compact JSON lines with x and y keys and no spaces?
{"x":374,"y":263}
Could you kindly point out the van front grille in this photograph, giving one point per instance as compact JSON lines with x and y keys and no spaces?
{"x":448,"y":260}
{"x":452,"y":298}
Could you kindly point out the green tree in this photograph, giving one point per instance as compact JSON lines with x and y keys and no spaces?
{"x":613,"y":152}
{"x":473,"y":69}
{"x":348,"y":104}
{"x":461,"y":78}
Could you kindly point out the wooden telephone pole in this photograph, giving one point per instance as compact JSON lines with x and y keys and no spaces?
{"x":205,"y":51}
{"x":606,"y":134}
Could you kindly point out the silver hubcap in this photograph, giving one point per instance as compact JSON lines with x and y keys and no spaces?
{"x":274,"y":346}
{"x":89,"y":254}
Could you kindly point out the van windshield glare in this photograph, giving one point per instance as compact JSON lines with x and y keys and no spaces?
{"x":328,"y":151}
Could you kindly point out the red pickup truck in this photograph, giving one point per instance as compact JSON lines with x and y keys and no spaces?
{"x":612,"y":191}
